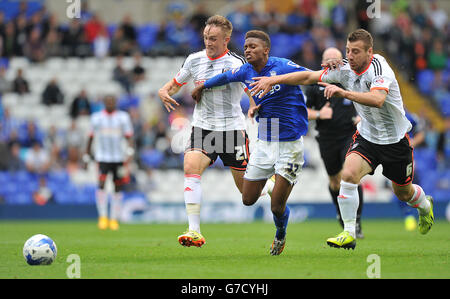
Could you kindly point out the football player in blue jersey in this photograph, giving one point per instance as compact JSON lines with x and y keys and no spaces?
{"x":283,"y":120}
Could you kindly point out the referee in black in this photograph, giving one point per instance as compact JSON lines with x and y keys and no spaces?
{"x":336,"y":121}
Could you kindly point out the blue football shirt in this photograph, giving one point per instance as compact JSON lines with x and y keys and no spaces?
{"x":283,"y":115}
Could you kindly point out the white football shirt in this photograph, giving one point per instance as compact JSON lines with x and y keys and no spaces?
{"x":219,"y":108}
{"x":385,"y":125}
{"x":109,"y":131}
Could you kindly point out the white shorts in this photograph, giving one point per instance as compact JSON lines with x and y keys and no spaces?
{"x":268,"y":158}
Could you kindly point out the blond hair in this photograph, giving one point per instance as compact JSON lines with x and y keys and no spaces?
{"x":221,"y":22}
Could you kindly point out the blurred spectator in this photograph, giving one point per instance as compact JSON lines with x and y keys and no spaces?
{"x":121,"y":75}
{"x":52,"y":94}
{"x":437,"y":16}
{"x":129,"y":31}
{"x":20,"y":34}
{"x":53,"y":44}
{"x":73,"y":39}
{"x":162,"y":46}
{"x":297,"y":21}
{"x":34,"y":48}
{"x":20,"y":84}
{"x":119,"y":44}
{"x":5,"y":85}
{"x":199,"y":17}
{"x":8,"y":124}
{"x":181,"y":35}
{"x":30,"y":134}
{"x":80,"y":105}
{"x":101,"y":44}
{"x":10,"y":46}
{"x":54,"y":142}
{"x":138,"y":71}
{"x":437,"y":58}
{"x":339,"y":20}
{"x":15,"y":162}
{"x":93,"y":27}
{"x":37,"y":159}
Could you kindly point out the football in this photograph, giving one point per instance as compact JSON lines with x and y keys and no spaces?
{"x":39,"y":250}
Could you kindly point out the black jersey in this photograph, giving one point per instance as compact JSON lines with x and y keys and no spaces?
{"x":341,"y":124}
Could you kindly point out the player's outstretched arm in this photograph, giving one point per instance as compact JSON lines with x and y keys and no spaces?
{"x":264,"y":84}
{"x":373,"y":98}
{"x":165,"y":94}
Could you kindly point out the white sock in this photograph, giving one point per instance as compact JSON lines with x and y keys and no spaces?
{"x":101,"y":200}
{"x":348,"y":200}
{"x":192,"y":199}
{"x":419,"y":201}
{"x":116,"y":204}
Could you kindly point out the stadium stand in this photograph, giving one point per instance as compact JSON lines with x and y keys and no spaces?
{"x":77,"y":63}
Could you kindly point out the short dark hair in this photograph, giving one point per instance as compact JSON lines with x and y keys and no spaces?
{"x":260,"y":35}
{"x":362,"y":35}
{"x":222,"y":22}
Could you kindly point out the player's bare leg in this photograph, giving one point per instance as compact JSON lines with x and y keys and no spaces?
{"x":238,"y":176}
{"x":415,"y":197}
{"x":195,"y":163}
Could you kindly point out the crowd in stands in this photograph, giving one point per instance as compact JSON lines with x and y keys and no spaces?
{"x":415,"y":36}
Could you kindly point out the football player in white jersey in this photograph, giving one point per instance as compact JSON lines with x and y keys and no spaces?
{"x":109,"y":128}
{"x":218,"y":126}
{"x":381,"y":136}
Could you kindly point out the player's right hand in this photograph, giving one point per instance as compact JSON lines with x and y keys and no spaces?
{"x":261,"y":86}
{"x":197,"y":93}
{"x":167,"y":100}
{"x":332,"y":63}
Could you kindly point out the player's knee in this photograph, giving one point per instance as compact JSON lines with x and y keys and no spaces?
{"x":277,"y":209}
{"x":350,"y":176}
{"x":248,"y":199}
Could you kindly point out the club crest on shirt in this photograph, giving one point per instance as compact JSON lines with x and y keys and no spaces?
{"x":273,"y":73}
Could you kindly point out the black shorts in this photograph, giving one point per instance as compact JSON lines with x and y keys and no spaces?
{"x":333,"y":152}
{"x":396,"y":159}
{"x":118,"y":171}
{"x":230,"y":146}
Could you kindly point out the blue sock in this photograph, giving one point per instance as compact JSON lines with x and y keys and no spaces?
{"x":281,"y":224}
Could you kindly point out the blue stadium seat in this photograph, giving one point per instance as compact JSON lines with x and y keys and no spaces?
{"x":282,"y":45}
{"x":445,"y":105}
{"x":152,"y":158}
{"x":425,"y":80}
{"x":147,"y":35}
{"x":19,"y":198}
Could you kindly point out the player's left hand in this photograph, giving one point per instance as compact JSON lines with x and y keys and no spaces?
{"x":261,"y":86}
{"x":332,"y":90}
{"x":251,"y":113}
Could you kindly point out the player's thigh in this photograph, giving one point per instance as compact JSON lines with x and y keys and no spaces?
{"x":238,"y":176}
{"x":251,"y":190}
{"x":195,"y":162}
{"x":355,"y":168}
{"x":290,"y":160}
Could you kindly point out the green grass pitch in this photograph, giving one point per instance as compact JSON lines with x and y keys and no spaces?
{"x":232,"y":251}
